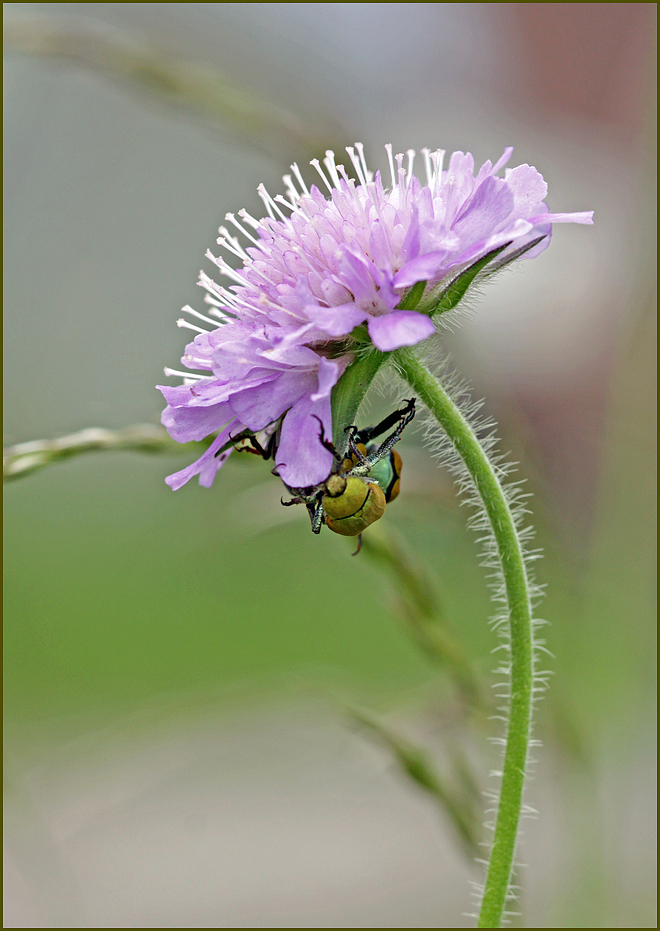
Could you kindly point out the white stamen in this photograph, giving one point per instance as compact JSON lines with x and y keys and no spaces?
{"x":232,"y":304}
{"x":437,"y":158}
{"x":360,"y":147}
{"x":290,"y":189}
{"x":229,"y":298}
{"x":234,"y":242}
{"x":356,"y":164}
{"x":188,"y":310}
{"x":244,"y":215}
{"x":269,"y":202}
{"x":401,"y":178}
{"x":263,"y":302}
{"x":199,"y":363}
{"x":190,"y":326}
{"x":211,"y":285}
{"x":218,"y":315}
{"x":315,"y":162}
{"x":342,"y":171}
{"x":173,"y":373}
{"x":301,"y":180}
{"x":329,"y":162}
{"x":411,"y":158}
{"x":427,"y":164}
{"x":351,"y":188}
{"x":231,"y":244}
{"x":388,"y":149}
{"x":219,"y":308}
{"x":282,"y":200}
{"x":268,"y":207}
{"x":226,"y":270}
{"x":232,"y":219}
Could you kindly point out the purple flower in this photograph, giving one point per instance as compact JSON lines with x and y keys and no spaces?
{"x":281,"y":334}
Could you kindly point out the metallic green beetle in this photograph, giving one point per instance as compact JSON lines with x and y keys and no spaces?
{"x":361,"y":483}
{"x":351,"y":504}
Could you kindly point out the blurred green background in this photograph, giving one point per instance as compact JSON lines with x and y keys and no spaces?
{"x":176,"y":665}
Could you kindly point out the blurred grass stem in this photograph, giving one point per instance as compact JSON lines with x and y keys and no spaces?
{"x":418,"y":766}
{"x":196,"y":87}
{"x":419,"y":607}
{"x":25,"y":458}
{"x":509,"y":548}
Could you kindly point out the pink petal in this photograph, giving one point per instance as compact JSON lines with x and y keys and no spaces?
{"x":423,"y":268}
{"x":586,"y":216}
{"x":329,"y":372}
{"x":257,"y":407}
{"x":336,"y":321}
{"x":400,"y":328}
{"x":188,"y":424}
{"x":301,"y":459}
{"x":207,"y":465}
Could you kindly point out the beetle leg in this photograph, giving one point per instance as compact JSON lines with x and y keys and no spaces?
{"x":297,"y":500}
{"x":359,"y":543}
{"x":325,"y":442}
{"x":271,"y":447}
{"x":408,"y":413}
{"x":368,"y":433}
{"x":355,"y":450}
{"x":316,"y":517}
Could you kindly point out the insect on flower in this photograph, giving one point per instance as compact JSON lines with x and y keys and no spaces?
{"x":360,"y":260}
{"x":361,"y":483}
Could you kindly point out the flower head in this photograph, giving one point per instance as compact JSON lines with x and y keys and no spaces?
{"x":361,"y":255}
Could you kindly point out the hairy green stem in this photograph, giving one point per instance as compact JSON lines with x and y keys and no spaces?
{"x":516,"y":584}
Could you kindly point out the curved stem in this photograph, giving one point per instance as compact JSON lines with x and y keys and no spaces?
{"x":516,"y":584}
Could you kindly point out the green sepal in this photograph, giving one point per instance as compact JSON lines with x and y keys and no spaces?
{"x":456,"y":289}
{"x":411,"y":298}
{"x":516,"y":254}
